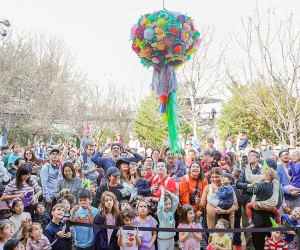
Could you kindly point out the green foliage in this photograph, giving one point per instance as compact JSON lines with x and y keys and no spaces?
{"x":148,"y":124}
{"x":238,"y":113}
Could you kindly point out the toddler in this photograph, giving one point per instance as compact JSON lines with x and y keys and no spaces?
{"x":275,"y":242}
{"x":225,"y":195}
{"x":294,"y":172}
{"x":36,"y":239}
{"x":263,"y":191}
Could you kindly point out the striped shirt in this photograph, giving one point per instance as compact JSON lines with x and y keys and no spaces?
{"x":12,"y":189}
{"x":38,"y":245}
{"x":270,"y":244}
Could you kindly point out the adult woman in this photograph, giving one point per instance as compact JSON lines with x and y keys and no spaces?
{"x":33,"y":161}
{"x":24,"y":187}
{"x":192,"y":185}
{"x":155,"y":156}
{"x":72,"y":157}
{"x":112,"y":185}
{"x":149,"y":164}
{"x":126,"y":179}
{"x":210,"y":194}
{"x":233,"y":163}
{"x":70,"y":183}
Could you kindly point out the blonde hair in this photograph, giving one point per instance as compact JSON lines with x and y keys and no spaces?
{"x":31,"y":227}
{"x":2,"y":226}
{"x":270,"y":172}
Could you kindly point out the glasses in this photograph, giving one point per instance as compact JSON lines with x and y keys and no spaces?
{"x":170,"y":154}
{"x":28,"y":153}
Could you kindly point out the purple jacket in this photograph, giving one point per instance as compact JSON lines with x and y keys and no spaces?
{"x":294,"y":172}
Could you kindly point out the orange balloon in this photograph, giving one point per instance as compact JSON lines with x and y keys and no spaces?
{"x":163,"y":99}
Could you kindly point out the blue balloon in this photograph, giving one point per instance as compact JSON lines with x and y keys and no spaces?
{"x":148,"y":33}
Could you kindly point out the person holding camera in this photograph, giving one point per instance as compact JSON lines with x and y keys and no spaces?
{"x":191,"y":187}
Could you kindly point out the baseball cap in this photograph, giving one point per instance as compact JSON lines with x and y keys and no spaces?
{"x":114,"y":171}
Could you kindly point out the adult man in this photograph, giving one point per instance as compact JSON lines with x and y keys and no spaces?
{"x":89,"y":169}
{"x":205,"y":160}
{"x":191,"y":156}
{"x":242,"y":183}
{"x":50,"y":173}
{"x":161,"y":179}
{"x":264,"y":150}
{"x":107,"y":162}
{"x":292,"y":197}
{"x":174,"y":166}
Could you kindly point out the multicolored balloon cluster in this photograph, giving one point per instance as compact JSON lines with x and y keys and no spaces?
{"x":164,"y":38}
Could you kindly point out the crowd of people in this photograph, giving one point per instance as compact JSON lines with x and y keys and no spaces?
{"x":44,"y":188}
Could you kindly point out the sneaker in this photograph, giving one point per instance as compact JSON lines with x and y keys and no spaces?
{"x":250,"y":225}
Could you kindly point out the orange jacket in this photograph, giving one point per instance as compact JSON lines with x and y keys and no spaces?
{"x":187,"y":186}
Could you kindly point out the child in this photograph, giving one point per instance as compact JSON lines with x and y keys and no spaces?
{"x":19,"y":218}
{"x":13,"y":244}
{"x":143,"y":184}
{"x":12,"y":168}
{"x":85,"y":213}
{"x":221,"y":240}
{"x":290,"y":220}
{"x":225,"y":195}
{"x":294,"y":172}
{"x":125,"y":205}
{"x":86,"y":139}
{"x":36,"y":239}
{"x":129,"y":239}
{"x":263,"y":191}
{"x":58,"y":231}
{"x":225,"y":162}
{"x":189,"y":241}
{"x":166,"y":208}
{"x":107,"y":215}
{"x":68,"y":201}
{"x":40,"y":215}
{"x":276,"y":242}
{"x":6,"y":232}
{"x":145,"y":220}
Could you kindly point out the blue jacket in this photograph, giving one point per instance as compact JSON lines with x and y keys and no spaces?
{"x":283,"y":179}
{"x":143,"y":187}
{"x":226,"y":196}
{"x":100,"y":235}
{"x":294,"y":171}
{"x":49,"y":180}
{"x":106,"y":163}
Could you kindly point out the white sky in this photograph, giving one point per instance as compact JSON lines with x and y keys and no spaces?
{"x":98,"y":31}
